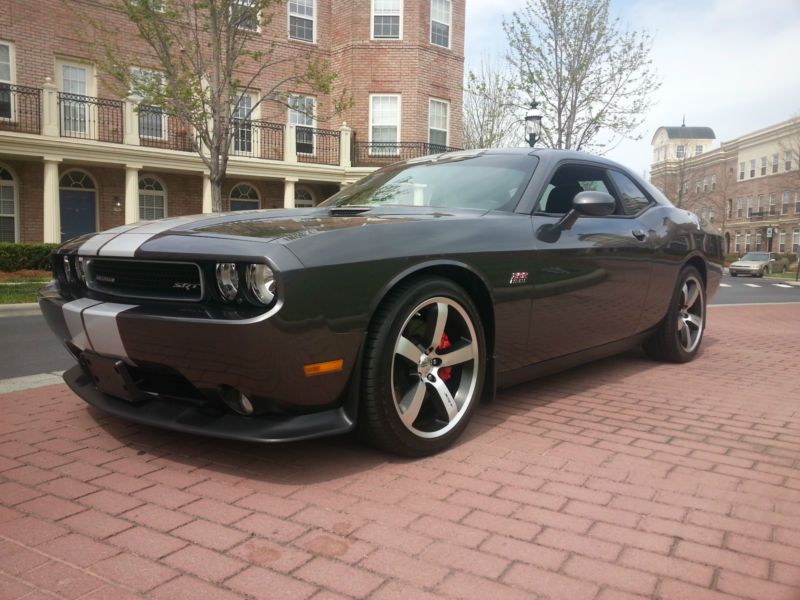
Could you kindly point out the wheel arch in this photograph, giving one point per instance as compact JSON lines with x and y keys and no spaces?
{"x":699,"y":263}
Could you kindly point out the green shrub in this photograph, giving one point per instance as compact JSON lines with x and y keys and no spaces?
{"x":16,"y":257}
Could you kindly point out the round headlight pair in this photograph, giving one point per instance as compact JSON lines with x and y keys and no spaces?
{"x":260,"y":281}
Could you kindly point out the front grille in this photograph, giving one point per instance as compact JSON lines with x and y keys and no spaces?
{"x":155,"y":280}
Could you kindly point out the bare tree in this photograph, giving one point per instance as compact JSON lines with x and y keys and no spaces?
{"x":492,"y":116}
{"x":593,"y":79}
{"x":208,"y":53}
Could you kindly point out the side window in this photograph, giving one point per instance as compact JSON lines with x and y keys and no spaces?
{"x":568,"y":182}
{"x":631,"y":197}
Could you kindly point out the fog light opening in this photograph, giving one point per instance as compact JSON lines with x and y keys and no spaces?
{"x":236,"y":400}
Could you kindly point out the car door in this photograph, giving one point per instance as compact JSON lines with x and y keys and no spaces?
{"x":590,"y":281}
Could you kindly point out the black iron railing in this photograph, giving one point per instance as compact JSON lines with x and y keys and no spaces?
{"x":157,"y":129}
{"x":320,"y":146}
{"x":20,"y":108}
{"x":376,"y":154}
{"x":257,"y":139}
{"x":90,"y":118}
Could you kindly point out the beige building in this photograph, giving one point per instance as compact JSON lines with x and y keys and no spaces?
{"x":749,"y":186}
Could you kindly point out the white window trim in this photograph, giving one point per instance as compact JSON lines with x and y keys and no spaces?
{"x":91,"y":74}
{"x":237,"y":184}
{"x":12,"y":65}
{"x":15,"y":186}
{"x":311,"y":193}
{"x":255,"y":114}
{"x":372,"y":23}
{"x":399,"y":118}
{"x":164,"y":124}
{"x":313,"y":24}
{"x":313,"y":122}
{"x":163,"y":186}
{"x":258,"y":18}
{"x":446,"y":131}
{"x":449,"y":25}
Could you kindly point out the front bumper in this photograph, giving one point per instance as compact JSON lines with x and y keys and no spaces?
{"x":744,"y":270}
{"x":182,"y":360}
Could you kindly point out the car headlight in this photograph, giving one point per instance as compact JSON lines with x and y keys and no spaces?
{"x":68,"y":274}
{"x":261,"y":283}
{"x":227,"y":280}
{"x":81,"y":266}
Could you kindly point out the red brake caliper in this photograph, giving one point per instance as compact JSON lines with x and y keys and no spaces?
{"x":445,"y":373}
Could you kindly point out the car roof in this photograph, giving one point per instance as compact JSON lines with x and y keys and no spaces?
{"x":548,"y":154}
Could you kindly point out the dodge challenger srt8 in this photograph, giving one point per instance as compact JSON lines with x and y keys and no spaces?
{"x":393,"y":307}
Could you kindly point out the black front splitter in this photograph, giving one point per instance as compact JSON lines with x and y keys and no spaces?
{"x":198,"y":419}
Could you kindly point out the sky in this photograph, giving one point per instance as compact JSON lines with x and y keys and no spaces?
{"x":732,"y":65}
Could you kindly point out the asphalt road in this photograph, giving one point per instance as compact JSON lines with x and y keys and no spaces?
{"x":28,"y":348}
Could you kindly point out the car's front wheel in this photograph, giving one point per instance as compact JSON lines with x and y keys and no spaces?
{"x":678,"y":337}
{"x":424,"y":366}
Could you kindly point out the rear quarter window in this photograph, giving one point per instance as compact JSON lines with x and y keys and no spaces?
{"x":631,"y":197}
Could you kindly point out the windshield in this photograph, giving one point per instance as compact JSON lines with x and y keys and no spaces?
{"x":756,"y":256}
{"x":483,"y":181}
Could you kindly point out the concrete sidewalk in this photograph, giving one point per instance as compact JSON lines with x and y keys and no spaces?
{"x":622,"y":479}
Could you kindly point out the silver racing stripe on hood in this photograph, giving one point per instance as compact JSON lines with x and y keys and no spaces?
{"x":100,"y":324}
{"x":125,"y":240}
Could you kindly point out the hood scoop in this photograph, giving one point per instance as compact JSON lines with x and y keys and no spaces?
{"x":348,"y":211}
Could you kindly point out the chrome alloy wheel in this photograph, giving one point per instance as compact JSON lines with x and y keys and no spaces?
{"x":691,"y":314}
{"x":435,"y":367}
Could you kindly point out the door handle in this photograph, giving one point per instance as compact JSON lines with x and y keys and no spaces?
{"x":639,"y":234}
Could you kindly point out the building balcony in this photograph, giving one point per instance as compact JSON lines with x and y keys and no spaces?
{"x":135,"y":128}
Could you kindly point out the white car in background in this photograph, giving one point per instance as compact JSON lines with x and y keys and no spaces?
{"x":758,"y":264}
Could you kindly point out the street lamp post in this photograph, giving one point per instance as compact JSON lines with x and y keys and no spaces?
{"x":533,"y":124}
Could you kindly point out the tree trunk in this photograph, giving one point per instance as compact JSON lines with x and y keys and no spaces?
{"x":216,"y":194}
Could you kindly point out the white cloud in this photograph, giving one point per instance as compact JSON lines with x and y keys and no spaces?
{"x":729,"y":64}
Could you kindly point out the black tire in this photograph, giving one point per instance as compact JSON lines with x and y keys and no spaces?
{"x":667,"y":342}
{"x":734,"y":274}
{"x":411,"y":312}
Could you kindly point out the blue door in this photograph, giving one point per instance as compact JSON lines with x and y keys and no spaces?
{"x":78,"y":213}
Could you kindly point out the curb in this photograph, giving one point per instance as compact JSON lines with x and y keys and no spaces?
{"x":16,"y":384}
{"x":28,"y":309}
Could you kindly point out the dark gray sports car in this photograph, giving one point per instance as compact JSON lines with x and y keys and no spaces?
{"x":392,"y":307}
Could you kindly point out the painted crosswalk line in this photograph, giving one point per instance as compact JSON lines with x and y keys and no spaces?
{"x":783,"y":285}
{"x":752,"y":285}
{"x":724,"y":285}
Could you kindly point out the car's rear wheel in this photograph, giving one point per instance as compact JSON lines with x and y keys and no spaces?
{"x":424,"y":367}
{"x":678,"y":337}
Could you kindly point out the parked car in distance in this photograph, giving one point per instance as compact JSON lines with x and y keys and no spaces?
{"x":393,"y":307}
{"x":758,"y":264}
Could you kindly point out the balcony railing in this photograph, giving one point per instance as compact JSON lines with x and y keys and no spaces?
{"x":257,"y":139}
{"x":320,"y":146}
{"x":20,"y":108}
{"x":157,"y":129}
{"x":376,"y":154}
{"x":90,"y":118}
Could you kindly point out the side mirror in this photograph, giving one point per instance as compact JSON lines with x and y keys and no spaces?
{"x":594,"y":204}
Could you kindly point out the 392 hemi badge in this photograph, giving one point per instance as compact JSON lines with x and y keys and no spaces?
{"x":518,"y":278}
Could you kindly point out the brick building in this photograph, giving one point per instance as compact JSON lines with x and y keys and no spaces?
{"x":75,"y":157}
{"x":747,"y":186}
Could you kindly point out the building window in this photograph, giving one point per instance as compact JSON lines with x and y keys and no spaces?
{"x":697,"y":185}
{"x":387,"y":19}
{"x":749,"y":206}
{"x":301,"y":20}
{"x":787,"y":160}
{"x":736,"y":242}
{"x":759,"y":204}
{"x":705,"y":185}
{"x":747,"y":242}
{"x":8,"y":207}
{"x":303,"y":198}
{"x":438,"y":111}
{"x":244,"y":15}
{"x":782,"y":242}
{"x":243,"y":124}
{"x":752,"y":168}
{"x":774,"y":163}
{"x":785,"y":203}
{"x":758,"y":240}
{"x":773,"y":203}
{"x":152,"y":119}
{"x":244,"y":196}
{"x":741,"y":170}
{"x":384,"y":120}
{"x":441,"y":14}
{"x":698,"y":150}
{"x":6,"y":80}
{"x":796,"y":241}
{"x":797,"y":203}
{"x":763,"y":165}
{"x":301,"y":114}
{"x":152,"y":199}
{"x":740,"y":207}
{"x":680,"y":151}
{"x":713,"y":182}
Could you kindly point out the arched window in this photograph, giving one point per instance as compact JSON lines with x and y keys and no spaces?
{"x":76,"y":180}
{"x":152,"y":199}
{"x":303,"y":198}
{"x":8,"y":207}
{"x":244,"y":197}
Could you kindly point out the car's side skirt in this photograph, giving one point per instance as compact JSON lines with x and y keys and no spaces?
{"x":554,"y":365}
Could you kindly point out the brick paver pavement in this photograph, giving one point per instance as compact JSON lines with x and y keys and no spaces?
{"x":622,"y":479}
